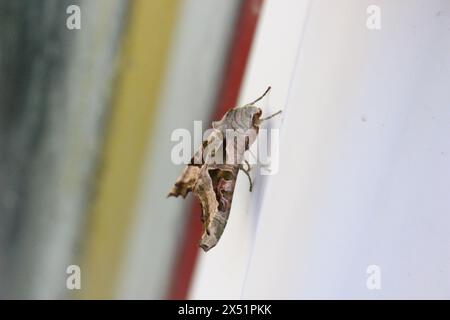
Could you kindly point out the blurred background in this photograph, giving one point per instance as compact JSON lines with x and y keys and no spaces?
{"x":86,"y":117}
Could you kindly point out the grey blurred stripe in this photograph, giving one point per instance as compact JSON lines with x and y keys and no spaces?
{"x":55,"y":86}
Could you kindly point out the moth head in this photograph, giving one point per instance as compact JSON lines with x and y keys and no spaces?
{"x":254,"y":113}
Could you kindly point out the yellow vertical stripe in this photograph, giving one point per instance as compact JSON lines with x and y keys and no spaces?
{"x":143,"y":63}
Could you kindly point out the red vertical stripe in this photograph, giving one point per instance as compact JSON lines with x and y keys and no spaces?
{"x":227,"y":98}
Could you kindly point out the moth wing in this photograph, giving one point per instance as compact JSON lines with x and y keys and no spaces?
{"x":188,"y":178}
{"x":214,"y":189}
{"x":185,"y":182}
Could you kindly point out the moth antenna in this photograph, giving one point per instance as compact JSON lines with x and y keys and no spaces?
{"x":270,"y":117}
{"x":264,"y":94}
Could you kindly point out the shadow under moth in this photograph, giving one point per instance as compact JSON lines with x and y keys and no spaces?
{"x":212,"y":172}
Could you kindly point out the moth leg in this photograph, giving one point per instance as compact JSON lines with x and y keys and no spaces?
{"x":248,"y":166}
{"x":241,"y":167}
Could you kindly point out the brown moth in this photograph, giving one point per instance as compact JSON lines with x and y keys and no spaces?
{"x":213,"y":169}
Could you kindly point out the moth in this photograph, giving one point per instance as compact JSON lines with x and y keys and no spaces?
{"x":212,"y":172}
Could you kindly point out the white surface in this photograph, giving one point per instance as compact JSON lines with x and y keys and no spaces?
{"x":365,"y":159}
